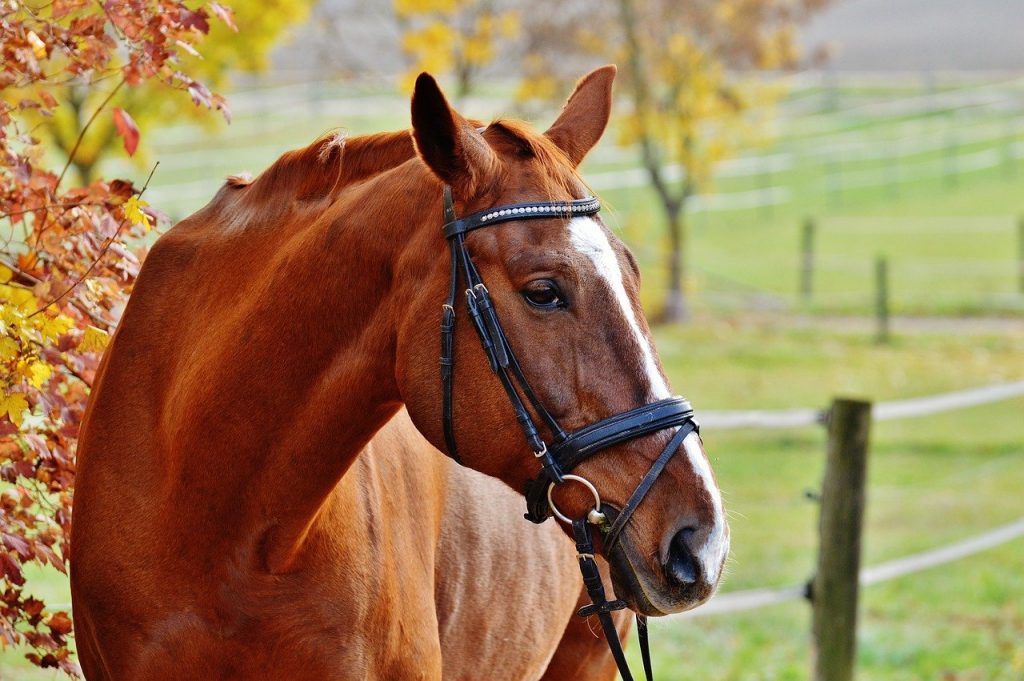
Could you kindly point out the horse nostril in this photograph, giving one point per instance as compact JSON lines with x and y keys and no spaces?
{"x":682,"y":566}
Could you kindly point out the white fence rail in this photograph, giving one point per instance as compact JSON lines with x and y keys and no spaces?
{"x":751,"y":599}
{"x":883,"y":411}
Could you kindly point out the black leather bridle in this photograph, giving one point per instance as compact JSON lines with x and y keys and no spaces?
{"x":566,"y":450}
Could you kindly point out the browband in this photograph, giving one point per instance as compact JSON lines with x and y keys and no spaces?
{"x":519,"y":211}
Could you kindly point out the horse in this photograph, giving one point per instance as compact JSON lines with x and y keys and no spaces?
{"x":262,"y":491}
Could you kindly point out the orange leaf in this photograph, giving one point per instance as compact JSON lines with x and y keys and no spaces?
{"x":127,"y":129}
{"x":27,"y":261}
{"x":59,"y":623}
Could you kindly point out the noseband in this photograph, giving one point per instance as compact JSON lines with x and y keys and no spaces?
{"x":566,"y":450}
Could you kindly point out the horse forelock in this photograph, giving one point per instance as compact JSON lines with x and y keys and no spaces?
{"x":513,"y":138}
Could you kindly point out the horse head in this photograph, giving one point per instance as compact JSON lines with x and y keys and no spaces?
{"x":563,"y":292}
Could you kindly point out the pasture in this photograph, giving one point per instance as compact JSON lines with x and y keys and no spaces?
{"x":928,"y":175}
{"x":931,"y":481}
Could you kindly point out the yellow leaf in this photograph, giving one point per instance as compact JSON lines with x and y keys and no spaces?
{"x":410,"y":8}
{"x":9,"y":349}
{"x":133,"y":211}
{"x":478,"y":50}
{"x":509,"y":23}
{"x":17,"y":299}
{"x":53,"y":328}
{"x":14,"y":407}
{"x":94,"y":340}
{"x":39,"y":373}
{"x":38,"y":46}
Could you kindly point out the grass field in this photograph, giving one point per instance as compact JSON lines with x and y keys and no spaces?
{"x":932,"y":480}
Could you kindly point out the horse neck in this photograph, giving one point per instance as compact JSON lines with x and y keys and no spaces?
{"x":315,"y":371}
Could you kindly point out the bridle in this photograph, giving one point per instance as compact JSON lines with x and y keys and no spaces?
{"x":566,"y":450}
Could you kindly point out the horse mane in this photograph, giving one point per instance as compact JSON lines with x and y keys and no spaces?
{"x":334,"y":161}
{"x":331,"y":162}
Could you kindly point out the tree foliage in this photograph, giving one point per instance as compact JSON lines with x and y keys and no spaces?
{"x":239,"y":39}
{"x":66,"y":259}
{"x":452,"y":36}
{"x":688,"y":70}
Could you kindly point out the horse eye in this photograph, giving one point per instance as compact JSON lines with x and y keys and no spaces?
{"x":543,"y":294}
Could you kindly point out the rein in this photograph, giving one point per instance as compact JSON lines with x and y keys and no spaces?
{"x":566,"y":449}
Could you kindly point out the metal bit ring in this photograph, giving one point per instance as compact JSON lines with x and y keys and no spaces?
{"x":595,"y":516}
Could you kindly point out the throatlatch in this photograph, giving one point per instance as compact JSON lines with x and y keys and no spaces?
{"x":566,"y":450}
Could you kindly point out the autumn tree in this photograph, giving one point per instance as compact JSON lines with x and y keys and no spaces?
{"x":68,"y":256}
{"x":687,"y":69}
{"x":453,"y":36}
{"x":238,"y":45}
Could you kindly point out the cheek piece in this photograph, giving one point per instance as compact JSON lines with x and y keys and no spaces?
{"x":565,"y":450}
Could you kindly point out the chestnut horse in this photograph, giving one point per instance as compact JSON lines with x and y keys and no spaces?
{"x":259,"y":495}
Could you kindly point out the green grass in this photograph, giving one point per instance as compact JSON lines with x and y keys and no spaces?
{"x":931,"y":481}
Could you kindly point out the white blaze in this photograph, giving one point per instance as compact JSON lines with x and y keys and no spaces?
{"x":588,"y":238}
{"x":716,"y":546}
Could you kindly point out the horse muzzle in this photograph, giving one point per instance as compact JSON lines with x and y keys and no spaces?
{"x":681,"y":577}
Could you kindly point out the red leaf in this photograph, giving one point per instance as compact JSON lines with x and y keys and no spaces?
{"x":127,"y":129}
{"x":224,"y":14}
{"x":17,"y":544}
{"x":196,"y":20}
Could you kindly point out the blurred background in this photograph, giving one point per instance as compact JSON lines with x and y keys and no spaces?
{"x":826,"y":199}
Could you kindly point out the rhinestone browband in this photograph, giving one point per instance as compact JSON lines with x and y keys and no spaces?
{"x":547,"y":209}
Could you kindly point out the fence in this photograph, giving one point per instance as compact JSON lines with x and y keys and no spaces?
{"x":834,"y":590}
{"x":808,"y":256}
{"x":933,"y":135}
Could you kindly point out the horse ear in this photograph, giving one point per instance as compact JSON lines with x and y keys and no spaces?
{"x":448,"y":143}
{"x":585,"y":114}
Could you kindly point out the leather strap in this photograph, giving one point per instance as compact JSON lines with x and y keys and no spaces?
{"x":521,"y":211}
{"x":600,"y":605}
{"x":587,"y":441}
{"x":645,"y":645}
{"x":448,"y":337}
{"x":611,"y":538}
{"x":628,"y":425}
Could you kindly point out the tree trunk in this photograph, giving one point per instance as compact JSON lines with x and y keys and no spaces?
{"x":464,"y":72}
{"x":86,"y":170}
{"x":675,"y":309}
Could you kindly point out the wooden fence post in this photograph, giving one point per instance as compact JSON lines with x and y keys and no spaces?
{"x":882,"y":299}
{"x":835,"y":587}
{"x":807,"y":260}
{"x":1020,"y":253}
